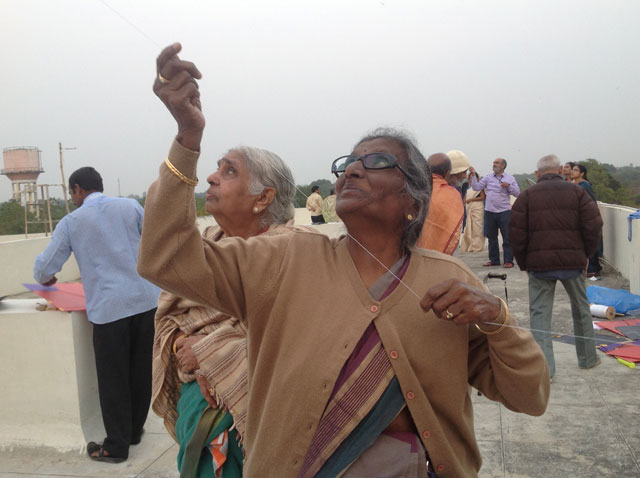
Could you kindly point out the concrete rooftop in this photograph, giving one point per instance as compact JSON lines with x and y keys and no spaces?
{"x":591,"y":427}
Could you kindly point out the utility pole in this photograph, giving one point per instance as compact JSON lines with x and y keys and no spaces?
{"x":64,"y":181}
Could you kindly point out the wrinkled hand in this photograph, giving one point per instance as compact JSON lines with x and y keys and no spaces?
{"x":50,"y":282}
{"x":206,"y":389}
{"x":464,"y":303}
{"x":471,"y":172}
{"x":176,"y":86}
{"x":504,"y":184}
{"x":187,"y":361}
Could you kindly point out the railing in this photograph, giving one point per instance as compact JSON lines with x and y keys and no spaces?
{"x":620,"y":252}
{"x":17,"y":256}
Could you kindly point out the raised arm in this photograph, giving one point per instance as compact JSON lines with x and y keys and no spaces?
{"x":176,"y":86}
{"x":172,"y":253}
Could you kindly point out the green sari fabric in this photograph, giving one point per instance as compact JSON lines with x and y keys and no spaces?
{"x":193,"y":410}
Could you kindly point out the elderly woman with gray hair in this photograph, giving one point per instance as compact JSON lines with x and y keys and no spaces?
{"x":199,"y":357}
{"x":368,"y":372}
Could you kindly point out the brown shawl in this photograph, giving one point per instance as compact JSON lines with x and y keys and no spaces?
{"x":222,"y":354}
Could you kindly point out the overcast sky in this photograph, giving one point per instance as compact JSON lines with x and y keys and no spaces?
{"x":306,"y":79}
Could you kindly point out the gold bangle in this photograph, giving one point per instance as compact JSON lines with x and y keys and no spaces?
{"x":182,"y":177}
{"x":175,"y":344}
{"x":504,"y":307}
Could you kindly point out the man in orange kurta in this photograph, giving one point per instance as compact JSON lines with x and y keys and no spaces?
{"x":441,"y":230}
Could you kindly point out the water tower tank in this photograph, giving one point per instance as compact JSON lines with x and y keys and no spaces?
{"x":22,"y":164}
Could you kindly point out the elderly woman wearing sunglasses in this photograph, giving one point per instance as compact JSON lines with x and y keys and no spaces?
{"x":367,"y":374}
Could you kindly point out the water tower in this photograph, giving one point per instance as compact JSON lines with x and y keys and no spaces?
{"x":22,"y":166}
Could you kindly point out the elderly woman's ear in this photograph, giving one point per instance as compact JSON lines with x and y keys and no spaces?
{"x":413,"y":211}
{"x":264,"y":199}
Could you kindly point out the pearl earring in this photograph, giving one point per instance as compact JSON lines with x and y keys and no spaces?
{"x":255,"y":209}
{"x":410,"y":217}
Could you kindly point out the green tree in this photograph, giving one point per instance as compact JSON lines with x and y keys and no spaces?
{"x":605,"y":186}
{"x":525,"y":180}
{"x":304,"y":190}
{"x":11,"y":218}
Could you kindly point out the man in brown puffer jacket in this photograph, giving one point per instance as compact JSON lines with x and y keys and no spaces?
{"x":554,"y":228}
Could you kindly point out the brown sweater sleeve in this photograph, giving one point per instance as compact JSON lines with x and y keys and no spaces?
{"x":225,"y":275}
{"x":509,"y":367}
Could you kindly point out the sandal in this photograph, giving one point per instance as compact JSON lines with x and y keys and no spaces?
{"x":93,"y":447}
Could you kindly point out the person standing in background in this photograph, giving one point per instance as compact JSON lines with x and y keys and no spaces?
{"x":104,"y":235}
{"x":314,"y":205}
{"x":579,"y":177}
{"x":499,"y":187}
{"x":329,"y":208}
{"x":567,"y":171}
{"x":441,"y":230}
{"x":554,"y":227}
{"x":473,"y":235}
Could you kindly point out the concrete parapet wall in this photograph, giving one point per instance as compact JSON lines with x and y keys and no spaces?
{"x":17,"y":258}
{"x":50,"y":392}
{"x":49,"y":396}
{"x":619,"y":252}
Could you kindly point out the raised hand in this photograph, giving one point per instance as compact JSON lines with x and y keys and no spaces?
{"x":176,"y":86}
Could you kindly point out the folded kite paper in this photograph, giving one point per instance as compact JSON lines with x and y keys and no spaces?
{"x":67,"y":296}
{"x":612,"y":325}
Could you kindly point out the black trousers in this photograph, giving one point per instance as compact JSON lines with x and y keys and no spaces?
{"x":123,"y":361}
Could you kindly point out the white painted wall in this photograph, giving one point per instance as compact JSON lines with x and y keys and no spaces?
{"x":49,"y":394}
{"x":619,"y":252}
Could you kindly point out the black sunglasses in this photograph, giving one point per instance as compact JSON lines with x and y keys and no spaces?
{"x":369,"y":161}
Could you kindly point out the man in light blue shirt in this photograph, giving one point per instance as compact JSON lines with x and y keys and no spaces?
{"x":499,"y":187}
{"x":104,"y":234}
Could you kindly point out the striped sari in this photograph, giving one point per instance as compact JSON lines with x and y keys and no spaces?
{"x":365,"y":400}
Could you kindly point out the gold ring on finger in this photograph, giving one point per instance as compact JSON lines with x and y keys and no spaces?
{"x":162,"y":79}
{"x":448,"y":315}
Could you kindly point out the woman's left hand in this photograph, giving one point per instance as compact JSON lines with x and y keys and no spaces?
{"x":461,"y":303}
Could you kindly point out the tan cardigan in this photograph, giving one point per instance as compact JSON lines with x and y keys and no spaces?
{"x":298,"y":340}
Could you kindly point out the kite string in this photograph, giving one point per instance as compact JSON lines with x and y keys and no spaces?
{"x":139,"y":30}
{"x":600,"y":340}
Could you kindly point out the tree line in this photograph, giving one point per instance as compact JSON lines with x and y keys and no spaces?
{"x":610,"y":184}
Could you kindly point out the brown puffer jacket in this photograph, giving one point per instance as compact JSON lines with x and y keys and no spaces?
{"x":554,"y":225}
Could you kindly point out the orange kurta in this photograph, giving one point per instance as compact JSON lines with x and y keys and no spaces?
{"x":441,"y":230}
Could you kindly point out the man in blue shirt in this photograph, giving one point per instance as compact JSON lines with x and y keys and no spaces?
{"x":104,"y":234}
{"x":499,"y":187}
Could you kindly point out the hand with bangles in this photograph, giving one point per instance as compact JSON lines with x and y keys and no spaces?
{"x":461,"y":303}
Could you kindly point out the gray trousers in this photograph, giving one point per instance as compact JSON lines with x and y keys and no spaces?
{"x":540,"y":310}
